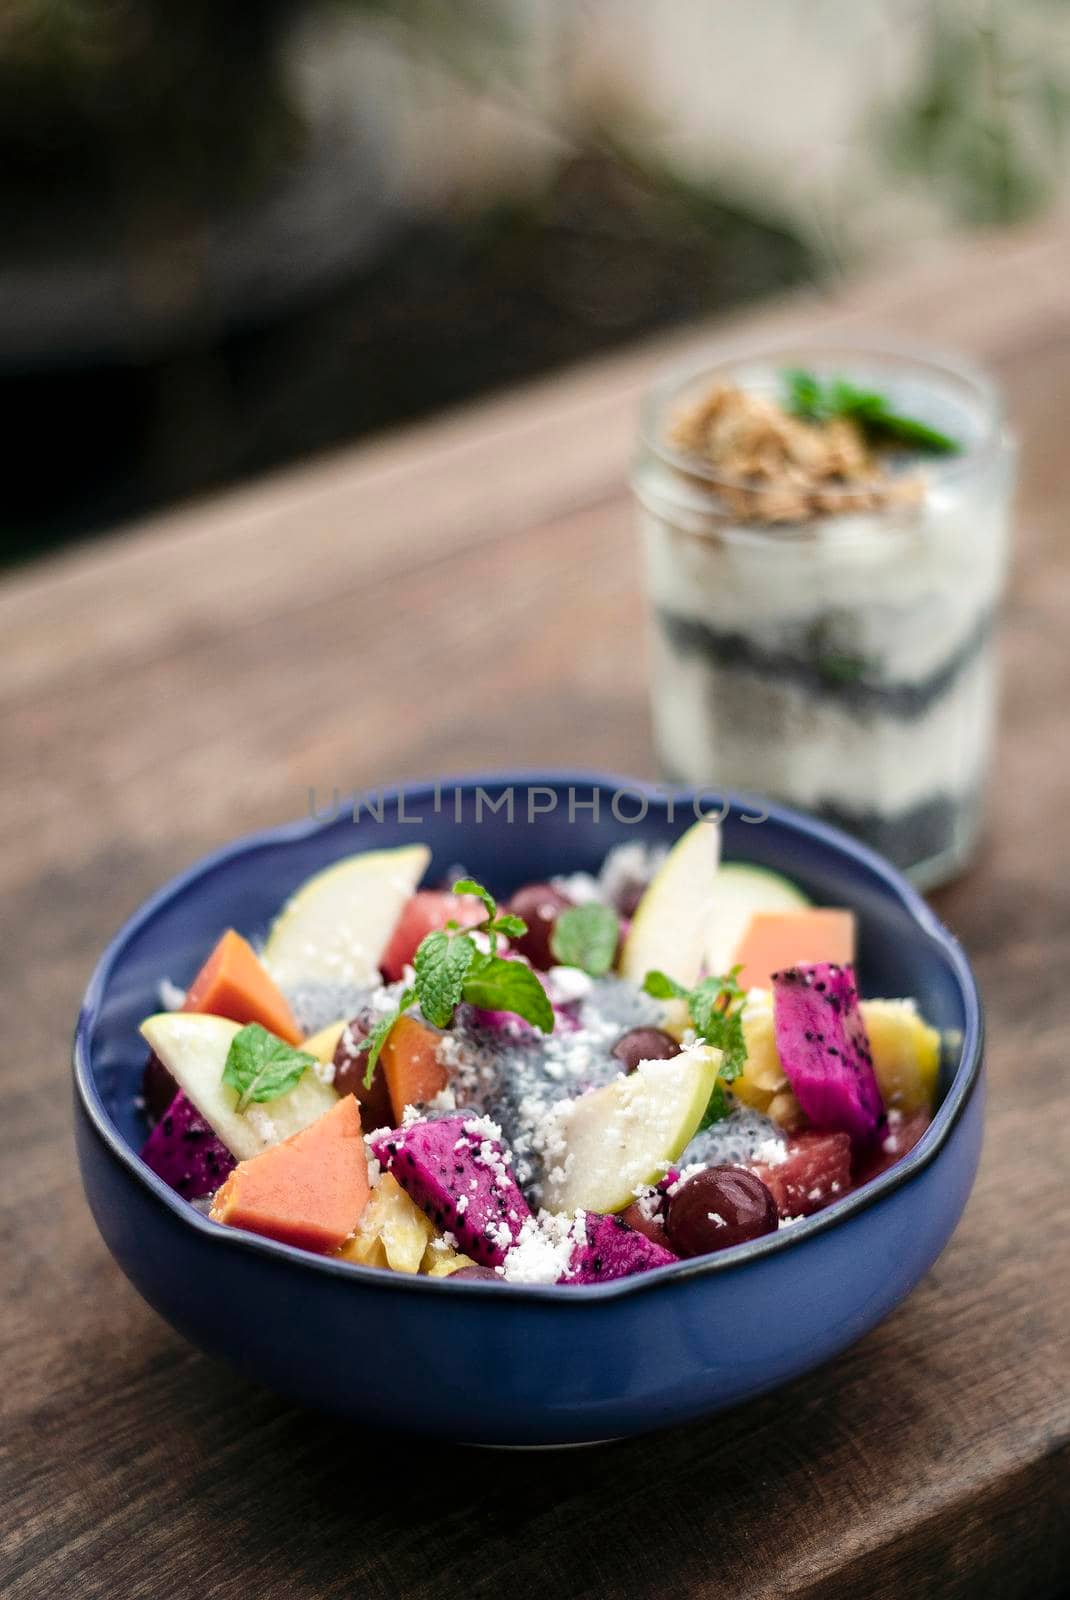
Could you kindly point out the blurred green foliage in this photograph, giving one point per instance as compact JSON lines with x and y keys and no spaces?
{"x":986,"y":125}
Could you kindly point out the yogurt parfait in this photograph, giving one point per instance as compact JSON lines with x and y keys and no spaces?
{"x":825,"y":533}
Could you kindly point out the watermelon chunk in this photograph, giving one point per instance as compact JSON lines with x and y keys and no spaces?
{"x":651,"y":1227}
{"x":816,"y":1171}
{"x":427,"y":911}
{"x":823,"y":1047}
{"x":184,"y":1152}
{"x":901,"y":1134}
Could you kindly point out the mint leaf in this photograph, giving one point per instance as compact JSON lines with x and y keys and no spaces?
{"x":261,"y":1066}
{"x":512,"y":927}
{"x":441,"y":962}
{"x":813,"y":401}
{"x":496,"y":985}
{"x":470,"y":886}
{"x":805,"y":397}
{"x":715,"y":1006}
{"x":586,"y":937}
{"x":662,"y":987}
{"x":908,"y":431}
{"x":380,"y":1033}
{"x":711,"y":998}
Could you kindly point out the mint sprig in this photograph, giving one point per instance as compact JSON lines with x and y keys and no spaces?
{"x":586,"y":937}
{"x":449,"y":968}
{"x":813,"y":401}
{"x":715,"y":1006}
{"x":441,"y":964}
{"x":260,"y":1066}
{"x":496,"y":985}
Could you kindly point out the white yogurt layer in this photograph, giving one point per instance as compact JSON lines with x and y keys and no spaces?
{"x":905,"y":592}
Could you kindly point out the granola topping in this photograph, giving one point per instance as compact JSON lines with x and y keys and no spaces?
{"x":773,"y":467}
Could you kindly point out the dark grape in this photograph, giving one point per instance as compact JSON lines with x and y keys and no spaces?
{"x":540,"y":905}
{"x":349,"y":1070}
{"x":645,"y":1044}
{"x":474,"y":1272}
{"x":718,"y":1207}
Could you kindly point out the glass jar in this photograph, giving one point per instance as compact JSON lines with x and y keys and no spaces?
{"x":845,"y":663}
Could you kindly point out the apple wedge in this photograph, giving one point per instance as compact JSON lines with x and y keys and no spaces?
{"x":610,"y":1141}
{"x":739,"y":890}
{"x":193,"y":1047}
{"x":335,"y":928}
{"x":668,"y":931}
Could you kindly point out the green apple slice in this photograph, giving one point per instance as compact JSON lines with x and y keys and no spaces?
{"x":668,"y":931}
{"x":740,"y":890}
{"x":336,"y":927}
{"x":193,"y":1047}
{"x":605,"y":1145}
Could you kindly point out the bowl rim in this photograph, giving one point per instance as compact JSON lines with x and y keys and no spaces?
{"x":907,"y":1168}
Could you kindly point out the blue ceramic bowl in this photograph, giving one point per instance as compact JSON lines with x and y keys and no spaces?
{"x":514,"y":1364}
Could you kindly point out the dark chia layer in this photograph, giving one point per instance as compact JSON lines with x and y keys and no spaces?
{"x":818,"y":661}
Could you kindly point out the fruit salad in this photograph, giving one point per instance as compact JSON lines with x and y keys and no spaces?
{"x":602,"y":1075}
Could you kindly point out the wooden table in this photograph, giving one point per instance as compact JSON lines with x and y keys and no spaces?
{"x":466,"y":595}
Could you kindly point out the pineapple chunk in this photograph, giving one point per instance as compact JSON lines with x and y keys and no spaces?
{"x":763,"y":1084}
{"x":366,"y":1249}
{"x":393,"y":1232}
{"x":440,"y":1260}
{"x":323,"y":1044}
{"x":906,"y":1054}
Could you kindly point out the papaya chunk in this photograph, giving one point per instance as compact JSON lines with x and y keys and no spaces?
{"x":410,"y":1063}
{"x":309,"y":1191}
{"x":234,"y":983}
{"x":775,"y":940}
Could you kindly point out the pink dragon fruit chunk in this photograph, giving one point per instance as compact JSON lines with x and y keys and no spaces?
{"x":613,"y":1250}
{"x":457,"y":1172}
{"x":184,"y":1152}
{"x":823,"y":1047}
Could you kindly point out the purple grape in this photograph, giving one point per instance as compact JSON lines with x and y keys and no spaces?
{"x":645,"y":1044}
{"x":719,"y":1207}
{"x":540,"y":905}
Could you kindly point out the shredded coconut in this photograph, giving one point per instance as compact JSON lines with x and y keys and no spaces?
{"x":568,"y":984}
{"x":578,"y":887}
{"x":172,"y":998}
{"x":544,"y":1249}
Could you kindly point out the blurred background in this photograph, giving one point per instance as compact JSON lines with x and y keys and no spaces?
{"x":235,"y":232}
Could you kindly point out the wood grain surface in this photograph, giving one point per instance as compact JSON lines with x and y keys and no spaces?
{"x":466,"y":595}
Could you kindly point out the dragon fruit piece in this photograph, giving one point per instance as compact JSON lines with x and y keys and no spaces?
{"x":823,"y":1047}
{"x":457,"y":1172}
{"x":184,"y":1152}
{"x":613,"y":1250}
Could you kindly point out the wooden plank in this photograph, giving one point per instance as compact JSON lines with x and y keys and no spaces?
{"x":192,"y":678}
